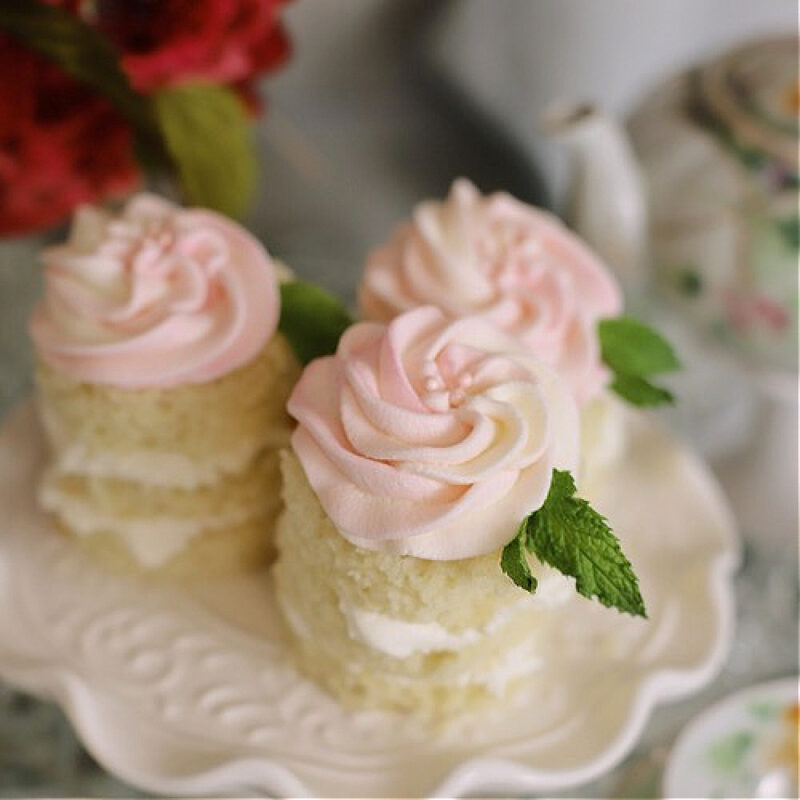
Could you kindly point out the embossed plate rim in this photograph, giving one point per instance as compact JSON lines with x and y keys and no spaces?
{"x":104,"y":721}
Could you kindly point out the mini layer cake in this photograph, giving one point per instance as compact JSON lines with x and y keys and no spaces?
{"x":420,"y":448}
{"x":162,"y":385}
{"x":518,"y":267}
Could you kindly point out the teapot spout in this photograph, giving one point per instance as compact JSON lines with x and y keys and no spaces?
{"x":606,"y":202}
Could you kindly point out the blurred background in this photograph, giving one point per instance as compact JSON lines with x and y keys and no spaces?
{"x":381,"y":103}
{"x":386,"y":102}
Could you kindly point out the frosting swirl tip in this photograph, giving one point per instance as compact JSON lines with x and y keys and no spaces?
{"x":499,"y":258}
{"x":432,"y":437}
{"x":154,"y":296}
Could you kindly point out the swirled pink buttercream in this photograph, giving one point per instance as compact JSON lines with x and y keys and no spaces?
{"x":432,"y":437}
{"x":155,"y":296}
{"x":514,"y":264}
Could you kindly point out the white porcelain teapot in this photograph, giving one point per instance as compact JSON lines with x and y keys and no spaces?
{"x":699,"y":197}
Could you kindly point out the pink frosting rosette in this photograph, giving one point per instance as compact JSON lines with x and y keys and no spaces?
{"x":432,"y":437}
{"x":511,"y":263}
{"x":156,"y":296}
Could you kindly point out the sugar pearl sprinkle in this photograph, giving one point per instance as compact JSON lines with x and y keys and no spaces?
{"x":440,"y":397}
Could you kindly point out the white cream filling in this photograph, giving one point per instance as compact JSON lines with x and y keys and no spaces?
{"x":518,"y":662}
{"x":155,"y":468}
{"x":402,"y":638}
{"x":151,"y":540}
{"x":522,"y":660}
{"x":399,"y":638}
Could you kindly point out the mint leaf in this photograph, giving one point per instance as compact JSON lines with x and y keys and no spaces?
{"x":640,"y":392}
{"x":635,"y":352}
{"x":311,"y":319}
{"x":515,"y":563}
{"x":568,"y":534}
{"x":631,"y":347}
{"x":207,"y":134}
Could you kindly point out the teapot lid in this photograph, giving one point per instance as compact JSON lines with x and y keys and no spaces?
{"x":753,"y":94}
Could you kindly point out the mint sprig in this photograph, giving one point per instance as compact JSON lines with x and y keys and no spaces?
{"x":514,"y":562}
{"x":312,"y":320}
{"x":568,"y":534}
{"x":640,"y":392}
{"x":635,"y":352}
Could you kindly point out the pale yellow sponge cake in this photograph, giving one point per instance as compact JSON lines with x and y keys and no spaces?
{"x":432,"y":638}
{"x":435,"y":524}
{"x":213,"y":529}
{"x":420,"y":448}
{"x":189,"y":435}
{"x":162,"y":383}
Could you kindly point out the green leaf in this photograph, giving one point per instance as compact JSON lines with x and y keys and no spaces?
{"x":631,"y":347}
{"x":567,"y":533}
{"x":789,"y":230}
{"x":640,"y":392}
{"x":515,"y":563}
{"x":634,"y":352}
{"x":207,"y":135}
{"x":311,"y":319}
{"x":82,"y":52}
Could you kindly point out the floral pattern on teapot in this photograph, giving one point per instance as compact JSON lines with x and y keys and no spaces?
{"x":719,"y":150}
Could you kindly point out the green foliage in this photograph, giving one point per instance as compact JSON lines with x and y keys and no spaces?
{"x":635,"y":352}
{"x":640,"y":392}
{"x":198,"y":130}
{"x":789,"y":230}
{"x":311,"y":319}
{"x":569,"y":535}
{"x":514,"y":562}
{"x":206,"y":132}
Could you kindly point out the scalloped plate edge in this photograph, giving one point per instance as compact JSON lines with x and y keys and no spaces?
{"x":232,"y":774}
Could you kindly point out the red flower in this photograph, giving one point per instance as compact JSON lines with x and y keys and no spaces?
{"x":60,"y":144}
{"x":166,"y":42}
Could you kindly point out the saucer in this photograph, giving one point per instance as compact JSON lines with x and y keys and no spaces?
{"x":744,"y":746}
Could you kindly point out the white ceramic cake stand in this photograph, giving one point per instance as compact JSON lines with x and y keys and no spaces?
{"x":191,"y":692}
